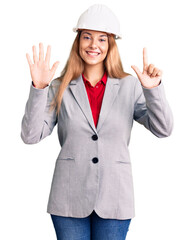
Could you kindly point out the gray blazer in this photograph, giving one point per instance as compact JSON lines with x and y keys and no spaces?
{"x":93,"y":168}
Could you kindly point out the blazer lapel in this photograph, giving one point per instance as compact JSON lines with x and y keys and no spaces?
{"x":79,"y":91}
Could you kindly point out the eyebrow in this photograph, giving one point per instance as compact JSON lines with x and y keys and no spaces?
{"x":103,"y":35}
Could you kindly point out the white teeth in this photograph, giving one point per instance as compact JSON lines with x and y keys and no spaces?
{"x":93,"y":54}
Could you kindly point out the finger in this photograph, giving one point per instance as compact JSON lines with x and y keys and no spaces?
{"x":48,"y":54}
{"x":41,"y":52}
{"x":54,"y":67}
{"x":34,"y":54}
{"x":159,"y":73}
{"x":155,"y":72}
{"x":137,"y":71}
{"x":150,"y":69}
{"x":29,"y":59}
{"x":145,"y":59}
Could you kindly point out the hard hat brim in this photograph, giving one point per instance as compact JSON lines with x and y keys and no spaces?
{"x":75,"y":29}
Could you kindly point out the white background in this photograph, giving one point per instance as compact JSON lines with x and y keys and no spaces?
{"x":162,"y":168}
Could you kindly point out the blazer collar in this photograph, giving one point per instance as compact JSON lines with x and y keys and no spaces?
{"x":78,"y":89}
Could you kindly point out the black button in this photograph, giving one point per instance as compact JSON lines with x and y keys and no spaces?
{"x":94,"y":137}
{"x":95,"y":160}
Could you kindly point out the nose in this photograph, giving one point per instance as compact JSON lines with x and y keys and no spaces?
{"x":93,"y":44}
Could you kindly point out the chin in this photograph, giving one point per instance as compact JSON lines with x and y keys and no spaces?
{"x":93,"y":62}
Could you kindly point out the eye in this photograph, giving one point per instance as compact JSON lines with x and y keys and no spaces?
{"x":102,"y":40}
{"x":86,"y":37}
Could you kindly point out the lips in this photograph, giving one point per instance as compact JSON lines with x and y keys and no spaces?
{"x":91,"y":53}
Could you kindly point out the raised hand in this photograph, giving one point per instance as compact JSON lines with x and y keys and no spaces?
{"x":151,"y":76}
{"x":40,"y":71}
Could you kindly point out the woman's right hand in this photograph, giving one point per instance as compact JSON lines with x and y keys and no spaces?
{"x":40,"y":70}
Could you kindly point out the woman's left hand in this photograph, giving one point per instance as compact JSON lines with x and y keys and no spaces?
{"x":151,"y":75}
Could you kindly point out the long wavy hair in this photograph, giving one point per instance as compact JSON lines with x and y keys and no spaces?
{"x":75,"y":66}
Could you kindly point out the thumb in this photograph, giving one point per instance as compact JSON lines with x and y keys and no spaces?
{"x":137,"y":71}
{"x":54,"y":68}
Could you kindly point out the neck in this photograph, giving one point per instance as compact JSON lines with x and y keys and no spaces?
{"x":93,"y":73}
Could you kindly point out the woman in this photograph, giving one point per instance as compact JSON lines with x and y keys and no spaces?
{"x":94,"y":103}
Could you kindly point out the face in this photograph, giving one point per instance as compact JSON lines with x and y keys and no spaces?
{"x":93,"y":46}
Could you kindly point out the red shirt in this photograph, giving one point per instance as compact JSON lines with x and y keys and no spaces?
{"x":95,"y":95}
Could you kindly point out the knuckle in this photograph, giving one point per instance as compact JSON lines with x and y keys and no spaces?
{"x":152,"y":65}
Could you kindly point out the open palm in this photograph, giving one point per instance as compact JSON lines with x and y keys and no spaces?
{"x":151,"y":76}
{"x":40,"y":71}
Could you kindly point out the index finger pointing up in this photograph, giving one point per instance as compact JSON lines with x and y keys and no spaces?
{"x":145,"y":59}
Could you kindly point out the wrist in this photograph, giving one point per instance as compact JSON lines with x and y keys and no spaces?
{"x":152,"y":86}
{"x":39,"y":86}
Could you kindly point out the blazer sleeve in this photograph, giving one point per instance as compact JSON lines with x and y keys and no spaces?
{"x":38,"y":121}
{"x":152,"y":110}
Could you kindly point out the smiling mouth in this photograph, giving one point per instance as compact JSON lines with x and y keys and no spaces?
{"x":92,"y":53}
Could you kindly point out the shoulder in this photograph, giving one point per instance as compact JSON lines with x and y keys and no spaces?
{"x":53,"y":87}
{"x":55,"y":82}
{"x":128,"y":81}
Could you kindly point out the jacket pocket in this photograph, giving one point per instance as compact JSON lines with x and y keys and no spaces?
{"x":124,"y":162}
{"x":66,"y":154}
{"x":123,"y":158}
{"x":65,"y":158}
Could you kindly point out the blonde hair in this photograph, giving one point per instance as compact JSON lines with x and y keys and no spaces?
{"x":75,"y":66}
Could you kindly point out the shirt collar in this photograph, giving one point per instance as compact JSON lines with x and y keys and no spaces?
{"x":104,"y":78}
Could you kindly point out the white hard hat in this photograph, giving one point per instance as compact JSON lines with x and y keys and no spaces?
{"x":100,"y":18}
